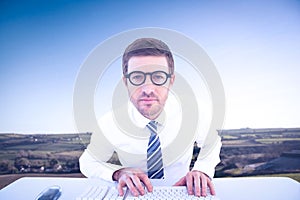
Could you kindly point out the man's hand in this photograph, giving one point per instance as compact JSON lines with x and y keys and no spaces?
{"x":133,"y":179}
{"x":197,"y":183}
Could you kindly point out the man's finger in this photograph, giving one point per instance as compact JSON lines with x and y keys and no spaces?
{"x":203,"y":184}
{"x":181,"y":182}
{"x":211,"y":187}
{"x":144,"y":178}
{"x":120,"y":188}
{"x":131,"y":186}
{"x":138,"y":185}
{"x":189,"y":183}
{"x":197,"y":184}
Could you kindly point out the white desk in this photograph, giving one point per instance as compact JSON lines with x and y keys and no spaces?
{"x":227,"y":188}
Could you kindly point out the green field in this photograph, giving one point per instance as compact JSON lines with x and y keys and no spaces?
{"x":41,"y":152}
{"x":276,"y":140}
{"x":245,"y":152}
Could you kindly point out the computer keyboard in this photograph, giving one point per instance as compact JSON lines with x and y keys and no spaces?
{"x":94,"y":193}
{"x":159,"y":192}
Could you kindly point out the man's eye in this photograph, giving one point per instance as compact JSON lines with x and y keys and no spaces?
{"x":158,"y":77}
{"x":137,"y":77}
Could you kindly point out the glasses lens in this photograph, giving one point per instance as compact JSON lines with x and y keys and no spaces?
{"x":159,"y":77}
{"x":137,"y":78}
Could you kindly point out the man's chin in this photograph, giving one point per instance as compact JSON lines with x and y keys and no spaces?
{"x":150,"y":113}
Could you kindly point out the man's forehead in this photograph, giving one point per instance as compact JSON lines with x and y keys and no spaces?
{"x":147,"y":63}
{"x":148,"y":68}
{"x":147,"y":60}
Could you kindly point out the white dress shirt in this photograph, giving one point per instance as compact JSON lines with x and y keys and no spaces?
{"x":132,"y":147}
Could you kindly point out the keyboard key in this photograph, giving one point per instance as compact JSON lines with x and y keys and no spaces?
{"x":113,"y":194}
{"x":170,"y":193}
{"x":159,"y":192}
{"x":94,"y":193}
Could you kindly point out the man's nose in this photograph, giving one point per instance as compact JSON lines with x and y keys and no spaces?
{"x":148,"y":80}
{"x":148,"y":86}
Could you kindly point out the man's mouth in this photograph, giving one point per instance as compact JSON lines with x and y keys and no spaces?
{"x":148,"y":100}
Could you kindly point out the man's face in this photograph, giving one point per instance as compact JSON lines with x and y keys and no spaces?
{"x":148,"y":98}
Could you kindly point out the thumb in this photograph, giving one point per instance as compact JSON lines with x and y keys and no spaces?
{"x":120,"y":189}
{"x":181,"y":182}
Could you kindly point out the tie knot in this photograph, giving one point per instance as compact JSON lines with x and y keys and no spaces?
{"x":152,"y":125}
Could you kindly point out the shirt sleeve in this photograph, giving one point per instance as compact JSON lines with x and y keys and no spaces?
{"x":209,"y":157}
{"x":93,"y":168}
{"x":93,"y":161}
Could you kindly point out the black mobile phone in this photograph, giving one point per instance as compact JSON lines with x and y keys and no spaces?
{"x":50,"y":193}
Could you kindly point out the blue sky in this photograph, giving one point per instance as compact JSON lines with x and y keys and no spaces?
{"x":255,"y":46}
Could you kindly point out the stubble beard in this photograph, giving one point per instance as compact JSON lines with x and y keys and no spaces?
{"x":150,"y":111}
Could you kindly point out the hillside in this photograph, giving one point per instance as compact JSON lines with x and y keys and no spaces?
{"x":245,"y":152}
{"x":259,"y":151}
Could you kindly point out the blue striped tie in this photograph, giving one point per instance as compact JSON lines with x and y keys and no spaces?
{"x":154,"y":156}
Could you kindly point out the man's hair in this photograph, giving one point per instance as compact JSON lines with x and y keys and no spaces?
{"x":147,"y":47}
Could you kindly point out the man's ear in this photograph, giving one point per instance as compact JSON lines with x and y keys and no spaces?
{"x":172,"y":79}
{"x":124,"y":81}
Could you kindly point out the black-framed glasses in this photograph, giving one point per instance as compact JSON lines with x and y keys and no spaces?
{"x":138,"y":78}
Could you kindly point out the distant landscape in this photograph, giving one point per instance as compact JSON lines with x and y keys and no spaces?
{"x":245,"y":152}
{"x":248,"y":152}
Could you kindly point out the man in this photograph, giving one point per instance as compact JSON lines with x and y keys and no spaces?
{"x":148,"y":74}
